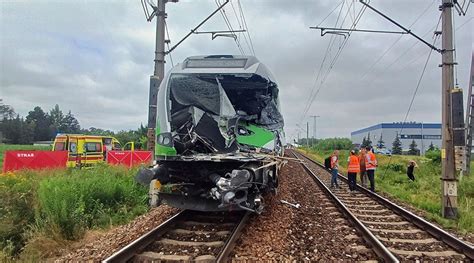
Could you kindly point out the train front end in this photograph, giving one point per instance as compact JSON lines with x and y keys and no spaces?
{"x":219,"y":135}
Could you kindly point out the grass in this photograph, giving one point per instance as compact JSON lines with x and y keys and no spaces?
{"x":9,"y":147}
{"x":42,"y":210}
{"x":424,"y":193}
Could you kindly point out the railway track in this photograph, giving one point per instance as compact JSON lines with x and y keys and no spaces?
{"x":394,"y":233}
{"x":187,"y":236}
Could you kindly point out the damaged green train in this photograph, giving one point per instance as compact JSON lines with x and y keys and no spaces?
{"x":219,"y":135}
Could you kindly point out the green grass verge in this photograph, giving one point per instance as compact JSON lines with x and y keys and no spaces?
{"x":424,"y":193}
{"x":62,"y":204}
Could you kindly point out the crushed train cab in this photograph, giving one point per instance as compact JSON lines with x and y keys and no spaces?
{"x":219,"y":135}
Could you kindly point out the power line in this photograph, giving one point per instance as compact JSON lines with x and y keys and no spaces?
{"x":229,"y":26}
{"x":168,"y":43}
{"x":328,"y":51}
{"x":245,"y":24}
{"x":413,"y":96}
{"x":333,"y":62}
{"x":377,"y":76}
{"x":241,"y":24}
{"x":396,"y":41}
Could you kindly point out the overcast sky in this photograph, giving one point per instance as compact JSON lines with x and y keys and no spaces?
{"x":95,"y":58}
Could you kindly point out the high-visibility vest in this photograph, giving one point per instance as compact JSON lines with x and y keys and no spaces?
{"x":354,"y":165}
{"x":373,"y":162}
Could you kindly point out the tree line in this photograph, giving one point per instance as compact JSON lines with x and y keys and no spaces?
{"x":39,"y":125}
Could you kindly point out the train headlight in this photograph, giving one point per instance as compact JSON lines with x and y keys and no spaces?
{"x":165,"y":139}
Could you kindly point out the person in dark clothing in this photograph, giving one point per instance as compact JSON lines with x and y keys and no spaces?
{"x":411,"y":169}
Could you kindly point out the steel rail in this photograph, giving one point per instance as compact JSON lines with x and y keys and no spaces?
{"x":230,"y":243}
{"x":432,"y":229}
{"x":129,"y":251}
{"x":377,"y":246}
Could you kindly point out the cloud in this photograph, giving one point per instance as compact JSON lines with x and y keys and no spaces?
{"x":95,"y":58}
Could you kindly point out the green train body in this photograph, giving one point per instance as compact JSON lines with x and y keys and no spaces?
{"x":219,"y":135}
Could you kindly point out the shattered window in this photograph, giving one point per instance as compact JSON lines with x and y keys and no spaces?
{"x":250,"y":95}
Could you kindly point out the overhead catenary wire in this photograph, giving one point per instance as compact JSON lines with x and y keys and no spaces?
{"x":397,"y":40}
{"x":334,"y":60}
{"x":413,"y":96}
{"x":331,"y":42}
{"x":246,"y":27}
{"x":168,"y":43}
{"x":242,"y":27}
{"x":229,"y":26}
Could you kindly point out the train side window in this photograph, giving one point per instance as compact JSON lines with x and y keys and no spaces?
{"x":59,"y":146}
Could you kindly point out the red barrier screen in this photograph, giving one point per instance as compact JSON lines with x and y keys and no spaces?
{"x":16,"y":160}
{"x":129,"y":158}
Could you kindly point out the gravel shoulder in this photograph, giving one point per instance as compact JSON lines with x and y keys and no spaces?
{"x":105,"y":244}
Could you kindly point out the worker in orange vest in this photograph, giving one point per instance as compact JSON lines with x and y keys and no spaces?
{"x":363,"y":172}
{"x":370,"y":166}
{"x":352,"y":169}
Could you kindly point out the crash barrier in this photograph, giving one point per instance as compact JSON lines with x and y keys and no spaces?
{"x":129,"y":158}
{"x":17,"y":160}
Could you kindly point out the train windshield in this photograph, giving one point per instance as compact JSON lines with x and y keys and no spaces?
{"x":248,"y":96}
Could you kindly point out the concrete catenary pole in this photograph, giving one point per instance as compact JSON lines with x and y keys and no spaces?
{"x":448,"y":172}
{"x":158,"y":73}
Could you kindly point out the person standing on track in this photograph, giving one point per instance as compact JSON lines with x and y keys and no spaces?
{"x":334,"y":168}
{"x":370,"y":166}
{"x":363,"y":172}
{"x":352,"y":169}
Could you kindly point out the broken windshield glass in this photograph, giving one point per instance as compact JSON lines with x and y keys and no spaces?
{"x":252,"y":96}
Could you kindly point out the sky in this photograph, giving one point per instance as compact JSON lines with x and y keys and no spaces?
{"x":95,"y":58}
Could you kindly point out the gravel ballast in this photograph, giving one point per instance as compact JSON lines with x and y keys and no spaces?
{"x":110,"y":242}
{"x":315,"y":231}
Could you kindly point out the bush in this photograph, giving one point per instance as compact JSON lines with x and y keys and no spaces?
{"x":63,"y":204}
{"x":333,"y":144}
{"x":99,"y":198}
{"x":17,"y":200}
{"x":396,"y":167}
{"x":434,"y":155}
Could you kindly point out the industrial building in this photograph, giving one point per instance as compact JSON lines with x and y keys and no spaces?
{"x":423,"y":133}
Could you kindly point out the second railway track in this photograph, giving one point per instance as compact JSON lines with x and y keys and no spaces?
{"x":187,"y":236}
{"x":395,"y":233}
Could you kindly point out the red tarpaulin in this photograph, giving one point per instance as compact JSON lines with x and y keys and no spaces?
{"x":16,"y":160}
{"x":129,"y":158}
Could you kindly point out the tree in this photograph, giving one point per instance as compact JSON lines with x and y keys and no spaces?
{"x":431,"y":147}
{"x":17,"y":131}
{"x":397,"y":146}
{"x":6,"y":111}
{"x":380,"y":142}
{"x":69,"y":124}
{"x":57,"y":117}
{"x":413,"y":150}
{"x":369,"y":141}
{"x":364,"y":143}
{"x":42,"y":124}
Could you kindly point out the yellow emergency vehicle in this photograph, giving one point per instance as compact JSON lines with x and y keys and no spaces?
{"x":85,"y":150}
